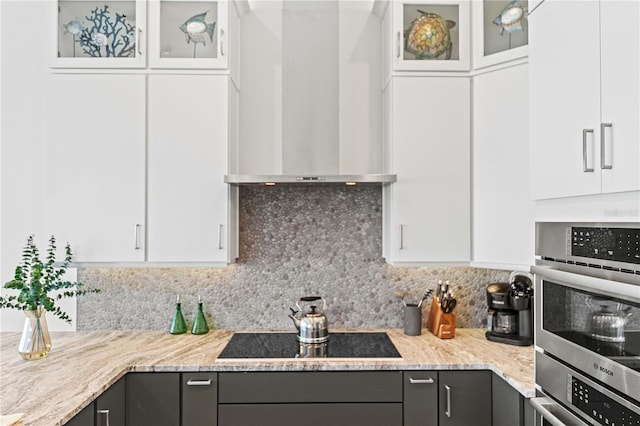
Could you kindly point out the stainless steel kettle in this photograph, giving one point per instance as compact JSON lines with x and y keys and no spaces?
{"x":608,"y":322}
{"x":311,"y":323}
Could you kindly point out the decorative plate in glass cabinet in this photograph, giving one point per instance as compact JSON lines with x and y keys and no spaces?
{"x":431,"y":36}
{"x":188,"y":34}
{"x":500,"y":31}
{"x":98,"y":34}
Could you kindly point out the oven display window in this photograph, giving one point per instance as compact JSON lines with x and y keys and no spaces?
{"x":607,"y":326}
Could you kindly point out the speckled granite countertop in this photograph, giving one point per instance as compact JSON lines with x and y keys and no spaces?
{"x":81,"y":365}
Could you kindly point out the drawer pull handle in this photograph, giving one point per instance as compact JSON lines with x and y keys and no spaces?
{"x":103,"y":417}
{"x":585,"y":150}
{"x":193,"y":382}
{"x":420,"y":381}
{"x":603,"y":146}
{"x":448,"y":412}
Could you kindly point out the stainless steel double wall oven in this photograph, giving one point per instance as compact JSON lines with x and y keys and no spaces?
{"x":587,"y":302}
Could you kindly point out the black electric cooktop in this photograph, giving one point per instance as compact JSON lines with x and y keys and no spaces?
{"x":285,"y":345}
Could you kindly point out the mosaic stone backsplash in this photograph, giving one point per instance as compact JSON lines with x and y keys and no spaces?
{"x":294,"y":241}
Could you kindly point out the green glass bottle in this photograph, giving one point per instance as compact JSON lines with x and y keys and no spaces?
{"x":200,"y":322}
{"x":178,"y":325}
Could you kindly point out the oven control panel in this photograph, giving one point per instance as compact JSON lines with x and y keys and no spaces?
{"x":617,"y":244}
{"x":598,"y":406}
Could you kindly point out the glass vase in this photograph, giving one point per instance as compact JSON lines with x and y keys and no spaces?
{"x":178,"y":325}
{"x":35,"y":342}
{"x":200,"y":322}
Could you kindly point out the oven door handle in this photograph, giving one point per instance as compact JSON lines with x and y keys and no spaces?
{"x":554,"y":413}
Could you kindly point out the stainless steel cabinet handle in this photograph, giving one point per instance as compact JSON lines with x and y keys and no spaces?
{"x":420,"y":381}
{"x":603,"y":139}
{"x":139,"y":41}
{"x":448,"y":412}
{"x":103,"y":418}
{"x":222,"y":42}
{"x":192,"y":382}
{"x":136,"y":237}
{"x":220,"y":247}
{"x":398,"y":42}
{"x":401,"y":237}
{"x":585,"y":160}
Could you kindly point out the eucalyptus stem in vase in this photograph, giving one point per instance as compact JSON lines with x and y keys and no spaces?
{"x":40,"y":285}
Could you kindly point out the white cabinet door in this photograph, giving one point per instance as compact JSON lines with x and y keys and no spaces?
{"x":188,"y":34}
{"x":564,"y":69}
{"x":430,"y":36}
{"x":620,"y":68}
{"x":503,"y":225}
{"x":429,"y":206}
{"x":187,"y":161}
{"x":97,"y":34}
{"x":95,"y":172}
{"x":585,"y":81}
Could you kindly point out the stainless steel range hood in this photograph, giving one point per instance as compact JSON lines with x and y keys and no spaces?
{"x":315,"y":133}
{"x":279,"y":179}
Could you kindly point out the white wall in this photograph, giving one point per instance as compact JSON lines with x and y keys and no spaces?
{"x":23,"y":70}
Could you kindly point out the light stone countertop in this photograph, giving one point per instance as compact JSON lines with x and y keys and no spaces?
{"x":82,"y":365}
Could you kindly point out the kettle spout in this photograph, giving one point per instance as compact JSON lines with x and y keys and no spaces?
{"x":296,"y":321}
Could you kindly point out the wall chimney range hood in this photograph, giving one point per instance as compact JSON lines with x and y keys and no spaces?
{"x":305,"y":115}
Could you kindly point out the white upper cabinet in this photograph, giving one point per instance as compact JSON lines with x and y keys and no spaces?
{"x":188,"y":34}
{"x":430,"y":35}
{"x":584,"y":104}
{"x":98,"y":34}
{"x":95,"y":175}
{"x":187,"y":160}
{"x":427,"y":211}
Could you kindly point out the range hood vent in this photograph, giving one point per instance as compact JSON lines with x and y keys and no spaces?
{"x":311,"y":107}
{"x":315,"y":179}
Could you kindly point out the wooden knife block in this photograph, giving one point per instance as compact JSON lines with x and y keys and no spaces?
{"x":441,"y":324}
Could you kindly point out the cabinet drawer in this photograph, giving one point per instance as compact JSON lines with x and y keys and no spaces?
{"x":268,"y":387}
{"x":381,"y":414}
{"x":199,"y":399}
{"x":420,"y":398}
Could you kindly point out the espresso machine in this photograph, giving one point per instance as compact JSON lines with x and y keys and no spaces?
{"x":510,"y":315}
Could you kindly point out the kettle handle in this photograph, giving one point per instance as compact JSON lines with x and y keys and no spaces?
{"x":311,"y":299}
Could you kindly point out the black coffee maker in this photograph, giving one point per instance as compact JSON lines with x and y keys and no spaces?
{"x":510,"y":315}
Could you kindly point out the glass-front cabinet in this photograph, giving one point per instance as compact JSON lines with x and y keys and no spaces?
{"x":431,"y":35}
{"x":99,"y":34}
{"x":138,"y":33}
{"x":188,"y":34}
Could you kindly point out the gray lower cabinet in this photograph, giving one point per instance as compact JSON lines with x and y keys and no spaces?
{"x":508,"y":406}
{"x":311,"y":398}
{"x":107,"y":409}
{"x":420,"y":398}
{"x":199,"y":399}
{"x":464,"y":398}
{"x":153,"y":399}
